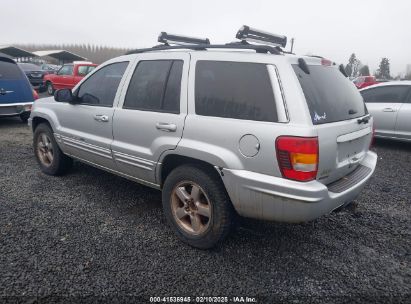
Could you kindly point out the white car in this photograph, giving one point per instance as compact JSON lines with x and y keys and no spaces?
{"x":390,"y":105}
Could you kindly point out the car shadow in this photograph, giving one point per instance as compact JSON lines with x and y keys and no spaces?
{"x":11,"y":121}
{"x":391,"y":144}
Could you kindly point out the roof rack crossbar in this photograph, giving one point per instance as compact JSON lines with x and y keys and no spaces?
{"x":201,"y":47}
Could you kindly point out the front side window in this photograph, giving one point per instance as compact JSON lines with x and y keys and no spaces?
{"x":388,"y":94}
{"x":155,"y":86}
{"x":238,"y":90}
{"x":66,"y":70}
{"x":101,"y":87}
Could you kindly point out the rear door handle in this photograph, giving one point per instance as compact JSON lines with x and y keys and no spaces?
{"x":164,"y":126}
{"x":388,"y":110}
{"x":102,"y":118}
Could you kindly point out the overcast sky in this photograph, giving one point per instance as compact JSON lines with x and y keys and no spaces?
{"x":372,"y":29}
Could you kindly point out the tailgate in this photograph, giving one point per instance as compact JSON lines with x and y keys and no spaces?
{"x":342,"y":146}
{"x":15,"y":91}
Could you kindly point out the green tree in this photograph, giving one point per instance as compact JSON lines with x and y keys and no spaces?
{"x":364,"y":71}
{"x":352,"y":68}
{"x":383,"y":71}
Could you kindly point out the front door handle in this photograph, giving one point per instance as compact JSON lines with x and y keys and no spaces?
{"x":388,"y":110}
{"x":102,"y":118}
{"x":164,"y":126}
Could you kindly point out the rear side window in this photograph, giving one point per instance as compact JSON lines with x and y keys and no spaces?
{"x":389,"y":94}
{"x":66,"y":70}
{"x":83,"y":70}
{"x":9,"y":71}
{"x":100,"y":88}
{"x":330,"y":96}
{"x":155,"y":86}
{"x":234,"y":90}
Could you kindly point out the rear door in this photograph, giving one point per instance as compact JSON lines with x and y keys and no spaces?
{"x":383,"y":103}
{"x":14,"y":86}
{"x":336,"y":110}
{"x":151,"y":113}
{"x":86,"y":128}
{"x":403,"y":125}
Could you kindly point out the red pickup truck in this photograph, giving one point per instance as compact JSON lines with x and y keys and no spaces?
{"x":68,"y":76}
{"x":364,"y":81}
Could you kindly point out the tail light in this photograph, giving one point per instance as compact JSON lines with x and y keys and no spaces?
{"x":298,"y":157}
{"x":35,"y":95}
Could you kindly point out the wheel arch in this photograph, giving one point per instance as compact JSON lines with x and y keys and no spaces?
{"x":172,"y":161}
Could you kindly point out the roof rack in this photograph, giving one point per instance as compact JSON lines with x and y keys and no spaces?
{"x":270,"y":42}
{"x":201,"y":47}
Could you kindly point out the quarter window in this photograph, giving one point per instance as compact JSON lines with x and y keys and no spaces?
{"x":101,"y":87}
{"x":387,"y":94}
{"x":234,"y":90}
{"x":155,"y":86}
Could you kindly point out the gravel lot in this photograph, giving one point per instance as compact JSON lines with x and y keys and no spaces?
{"x":91,"y":233}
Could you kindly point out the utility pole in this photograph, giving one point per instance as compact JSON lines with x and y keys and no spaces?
{"x":292,"y":45}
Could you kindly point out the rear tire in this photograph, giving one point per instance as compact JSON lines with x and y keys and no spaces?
{"x":25,"y":116}
{"x":50,"y":88}
{"x":50,"y":158}
{"x":197,"y":206}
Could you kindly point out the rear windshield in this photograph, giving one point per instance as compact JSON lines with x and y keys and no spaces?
{"x":9,"y":71}
{"x":330,"y":96}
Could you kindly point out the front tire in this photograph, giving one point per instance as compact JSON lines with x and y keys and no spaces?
{"x":50,"y":158}
{"x":25,"y":116}
{"x":197,"y":206}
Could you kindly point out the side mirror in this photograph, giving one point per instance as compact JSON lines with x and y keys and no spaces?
{"x":64,"y":95}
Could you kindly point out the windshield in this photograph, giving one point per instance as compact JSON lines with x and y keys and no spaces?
{"x":330,"y":96}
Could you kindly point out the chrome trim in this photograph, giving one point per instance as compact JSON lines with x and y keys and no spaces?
{"x":87,"y":147}
{"x":29,"y":103}
{"x":134,"y":161}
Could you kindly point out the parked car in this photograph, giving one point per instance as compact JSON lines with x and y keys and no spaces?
{"x":257,"y":133}
{"x":68,"y":76}
{"x":390,"y":105}
{"x":34,"y":73}
{"x":16,"y":93}
{"x":50,"y":68}
{"x":364,"y":81}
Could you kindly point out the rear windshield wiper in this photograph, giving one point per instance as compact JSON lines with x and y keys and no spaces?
{"x":364,"y":120}
{"x":352,"y":112}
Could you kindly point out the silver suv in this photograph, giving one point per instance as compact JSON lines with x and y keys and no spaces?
{"x":223,"y":130}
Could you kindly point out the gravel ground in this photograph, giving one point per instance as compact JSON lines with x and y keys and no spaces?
{"x":92,"y":234}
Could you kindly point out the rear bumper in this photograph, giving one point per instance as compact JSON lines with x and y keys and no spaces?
{"x":13,"y":109}
{"x":277,"y":199}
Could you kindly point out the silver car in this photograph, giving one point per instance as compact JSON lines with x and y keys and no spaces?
{"x":390,"y":105}
{"x":222,"y":130}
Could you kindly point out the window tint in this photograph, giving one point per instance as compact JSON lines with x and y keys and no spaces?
{"x":389,"y":94}
{"x":155,"y":86}
{"x":234,"y":90}
{"x":83,"y":70}
{"x":9,"y":71}
{"x":101,"y":87}
{"x":66,"y":70}
{"x":330,"y":96}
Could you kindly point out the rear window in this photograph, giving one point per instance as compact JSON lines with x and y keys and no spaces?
{"x":238,"y":90}
{"x":9,"y":71}
{"x":330,"y":96}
